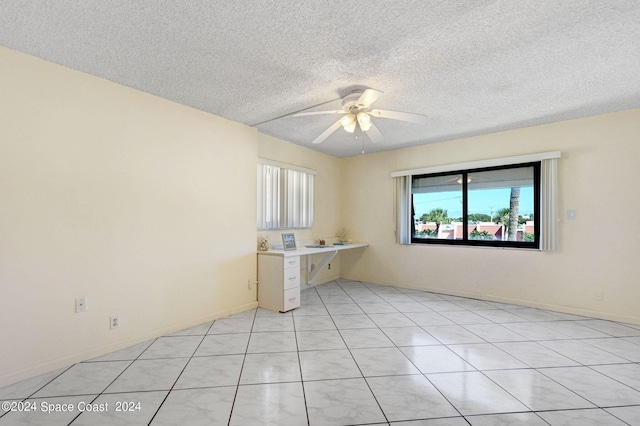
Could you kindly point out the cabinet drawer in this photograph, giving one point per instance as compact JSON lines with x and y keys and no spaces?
{"x":292,"y":262}
{"x":291,"y":299}
{"x":291,"y":278}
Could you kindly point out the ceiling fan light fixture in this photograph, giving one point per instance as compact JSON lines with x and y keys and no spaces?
{"x":349,"y":122}
{"x":364,"y":120}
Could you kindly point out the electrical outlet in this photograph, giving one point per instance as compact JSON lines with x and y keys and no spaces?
{"x":114,"y":322}
{"x":329,"y":266}
{"x":81,"y":304}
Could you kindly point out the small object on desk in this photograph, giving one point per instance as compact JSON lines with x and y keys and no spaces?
{"x":338,"y":244}
{"x":321,"y":241}
{"x":288,"y":241}
{"x":316,"y":246}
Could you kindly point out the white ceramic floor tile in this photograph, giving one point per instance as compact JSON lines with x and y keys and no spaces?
{"x":275,"y":341}
{"x":270,"y":368}
{"x":583,"y":352}
{"x":231,"y":325}
{"x":396,"y":298}
{"x":122,"y":409}
{"x":409,"y":336}
{"x":622,"y":348}
{"x":324,"y":365}
{"x":377,"y":308}
{"x":427,"y":319}
{"x":366,"y":338}
{"x":261,"y":312}
{"x":573,"y":330}
{"x":473,"y":393}
{"x":314,"y":322}
{"x":531,"y":314}
{"x":310,"y":309}
{"x":442,"y":305}
{"x":611,"y":328}
{"x":499,"y":316}
{"x":46,"y":416}
{"x":631,"y":415}
{"x":383,"y":362}
{"x":319,"y":340}
{"x":391,"y":320}
{"x":83,"y":379}
{"x":513,"y":419}
{"x":629,"y":374}
{"x":594,"y":386}
{"x":436,"y":359}
{"x":412,"y":306}
{"x":471,"y":304}
{"x":353,"y":321}
{"x":409,"y":397}
{"x":211,"y":371}
{"x":333,"y":299}
{"x":367,"y":298}
{"x":449,"y":421}
{"x":485,"y":356}
{"x":274,"y":403}
{"x":172,"y":347}
{"x":197,"y":407}
{"x":452,"y":334}
{"x":26,"y":388}
{"x":341,"y":402}
{"x":537,"y":391}
{"x":534,"y":331}
{"x":310,"y":297}
{"x":149,"y":375}
{"x":593,"y":417}
{"x":535,"y":355}
{"x":495,"y":333}
{"x":262,"y":324}
{"x":343,"y":308}
{"x":465,"y":317}
{"x":223,"y":344}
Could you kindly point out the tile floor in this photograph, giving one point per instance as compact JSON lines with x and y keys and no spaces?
{"x":357,"y":353}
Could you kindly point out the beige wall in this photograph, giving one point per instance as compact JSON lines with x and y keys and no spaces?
{"x":121,"y":197}
{"x":327,"y":218}
{"x":594,"y":272}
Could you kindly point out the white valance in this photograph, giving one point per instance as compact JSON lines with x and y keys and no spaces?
{"x":470,"y":165}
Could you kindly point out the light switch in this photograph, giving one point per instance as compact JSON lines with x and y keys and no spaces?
{"x":572,"y":214}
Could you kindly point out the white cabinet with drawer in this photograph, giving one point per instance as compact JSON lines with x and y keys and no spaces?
{"x":278,"y":282}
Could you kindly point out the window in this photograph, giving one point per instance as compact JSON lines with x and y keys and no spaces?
{"x":492,"y":206}
{"x":285,"y":196}
{"x":473,"y":194}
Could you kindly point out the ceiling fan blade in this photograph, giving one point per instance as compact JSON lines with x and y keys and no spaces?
{"x":397,"y":115}
{"x":368,"y":97}
{"x":335,"y":126}
{"x":374,"y":134}
{"x":334,"y":111}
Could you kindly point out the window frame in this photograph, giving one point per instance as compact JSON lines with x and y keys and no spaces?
{"x":466,"y":241}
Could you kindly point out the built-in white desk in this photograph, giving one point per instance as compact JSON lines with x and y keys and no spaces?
{"x":279,"y":274}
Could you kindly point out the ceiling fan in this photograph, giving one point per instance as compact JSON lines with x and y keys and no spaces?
{"x":356,"y":112}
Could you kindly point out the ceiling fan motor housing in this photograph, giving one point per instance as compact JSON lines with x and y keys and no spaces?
{"x":349,"y":103}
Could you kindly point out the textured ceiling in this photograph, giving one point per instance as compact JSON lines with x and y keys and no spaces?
{"x":471,"y":67}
